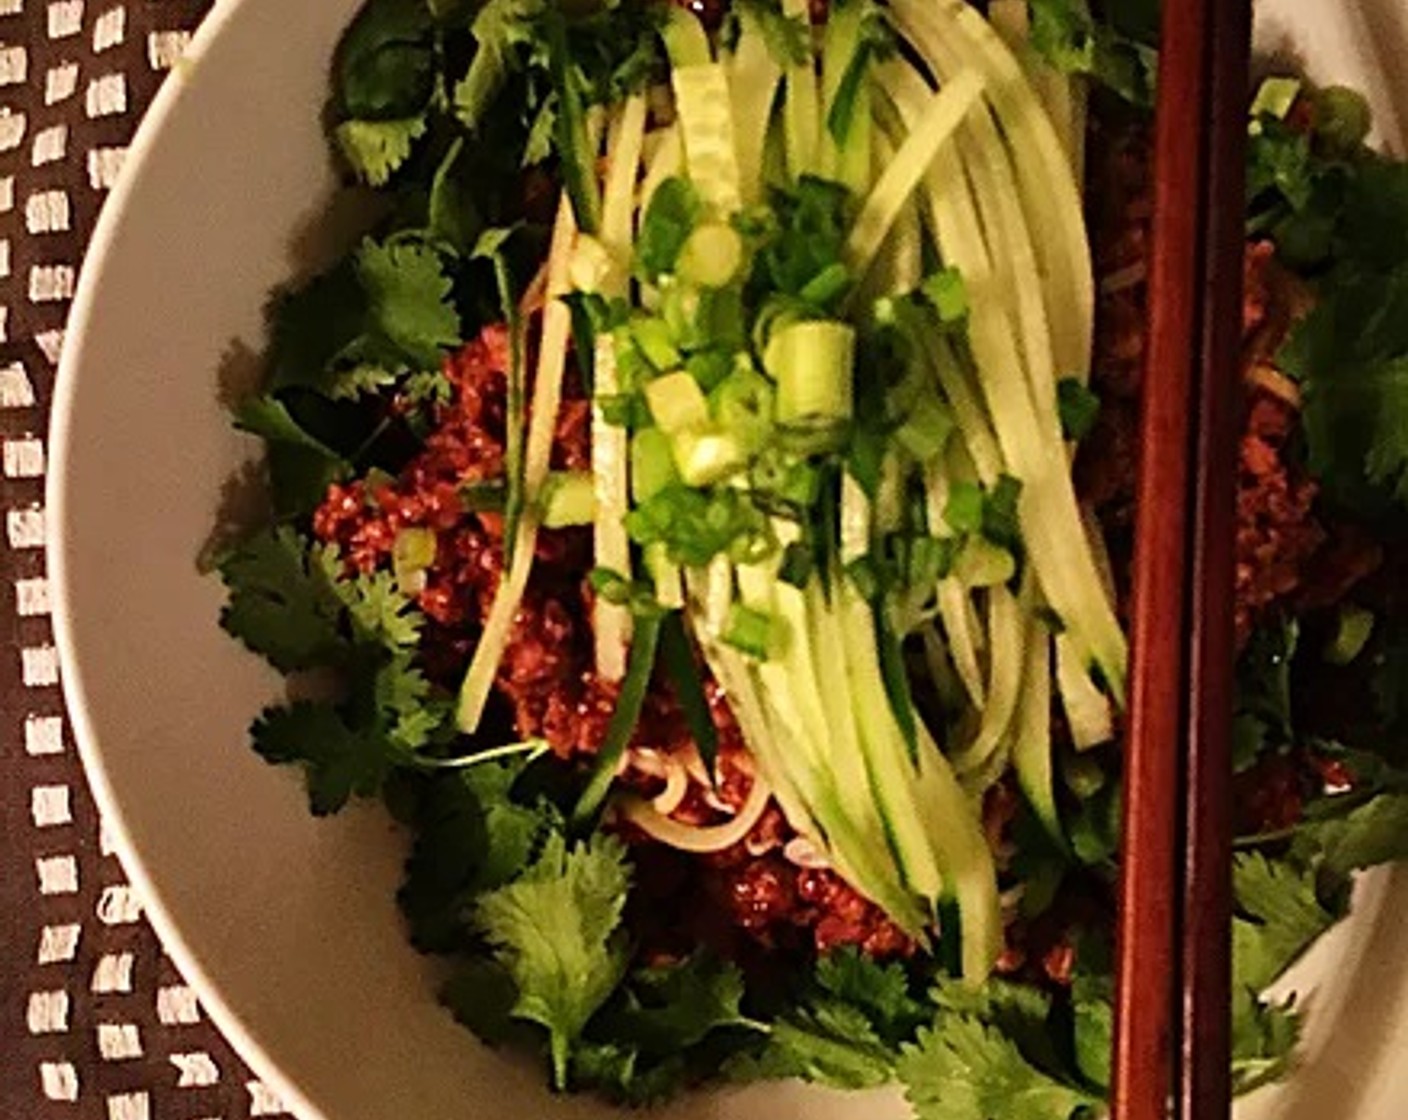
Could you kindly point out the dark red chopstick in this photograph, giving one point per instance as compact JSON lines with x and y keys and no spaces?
{"x":1172,"y":1022}
{"x":1204,"y":1070}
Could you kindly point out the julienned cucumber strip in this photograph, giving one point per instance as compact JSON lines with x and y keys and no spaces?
{"x":801,"y":110}
{"x":845,"y":99}
{"x":793,"y":687}
{"x":803,"y":789}
{"x":961,"y":628}
{"x":884,"y":747}
{"x":753,"y":80}
{"x":1048,"y":509}
{"x":547,"y":398}
{"x":1063,"y":96}
{"x":611,"y":622}
{"x":1050,"y":193}
{"x":928,"y":132}
{"x":964,"y":858}
{"x":707,"y":127}
{"x":1006,"y":630}
{"x":1087,"y":709}
{"x":1031,"y":742}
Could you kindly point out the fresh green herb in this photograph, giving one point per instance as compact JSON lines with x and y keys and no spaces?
{"x":668,"y":1009}
{"x":1000,"y":521}
{"x":830,"y":1042}
{"x":284,"y":603}
{"x":960,"y":1069}
{"x":338,"y":760}
{"x":1279,"y":915}
{"x":696,"y":525}
{"x":669,"y":220}
{"x":301,"y":466}
{"x":1122,"y":58}
{"x":812,"y":225}
{"x":678,"y":658}
{"x":375,"y":150}
{"x":409,"y":295}
{"x":556,"y":929}
{"x":471,"y":836}
{"x":640,"y":665}
{"x":1078,"y":407}
{"x":948,"y":293}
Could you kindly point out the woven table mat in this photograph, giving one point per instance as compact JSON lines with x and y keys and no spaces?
{"x":95,"y":1022}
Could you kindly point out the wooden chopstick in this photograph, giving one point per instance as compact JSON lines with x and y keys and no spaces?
{"x":1204,"y":1070}
{"x":1172,"y":1001}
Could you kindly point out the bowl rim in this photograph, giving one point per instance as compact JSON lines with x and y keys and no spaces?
{"x":75,"y":354}
{"x":86,"y":738}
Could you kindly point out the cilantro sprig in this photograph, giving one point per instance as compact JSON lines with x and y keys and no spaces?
{"x":291,"y":602}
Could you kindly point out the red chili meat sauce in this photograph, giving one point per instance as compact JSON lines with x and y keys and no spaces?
{"x":1283,"y":546}
{"x":749,"y":891}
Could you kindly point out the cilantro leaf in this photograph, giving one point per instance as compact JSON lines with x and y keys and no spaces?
{"x":411,"y":716}
{"x":830,"y":1042}
{"x":1092,"y":1004}
{"x":338,"y":760}
{"x":410,"y":298}
{"x":500,"y":27}
{"x":284,"y":602}
{"x":1078,"y":407}
{"x":1122,"y":58}
{"x":375,"y":150}
{"x":1264,"y":1040}
{"x":882,"y":991}
{"x":556,"y":928}
{"x":669,"y":1009}
{"x":313,"y":325}
{"x":452,"y":213}
{"x":385,"y":65}
{"x":621,"y":1074}
{"x":471,"y":837}
{"x":380,"y":612}
{"x":1019,"y":1011}
{"x":1372,"y":833}
{"x":960,"y":1069}
{"x":481,"y":995}
{"x":301,"y":467}
{"x":1279,"y":915}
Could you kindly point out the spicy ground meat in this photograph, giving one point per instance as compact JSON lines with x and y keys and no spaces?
{"x":546,"y":676}
{"x":1285,"y":552}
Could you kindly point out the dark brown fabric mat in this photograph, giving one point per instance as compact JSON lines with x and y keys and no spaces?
{"x":94,"y":1020}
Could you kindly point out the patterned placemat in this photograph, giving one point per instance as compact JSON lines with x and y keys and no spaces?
{"x":95,"y":1022}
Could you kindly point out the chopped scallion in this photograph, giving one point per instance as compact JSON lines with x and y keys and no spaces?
{"x":1078,"y":407}
{"x":948,"y":293}
{"x":677,"y":403}
{"x":639,"y":666}
{"x":705,"y":457}
{"x":680,"y":664}
{"x":712,"y":257}
{"x":652,"y":464}
{"x":752,"y":632}
{"x":653,"y":339}
{"x":797,"y":565}
{"x":569,"y":499}
{"x":811,"y":362}
{"x":1353,"y":629}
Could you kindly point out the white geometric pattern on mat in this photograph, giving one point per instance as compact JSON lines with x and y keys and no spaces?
{"x":71,"y":78}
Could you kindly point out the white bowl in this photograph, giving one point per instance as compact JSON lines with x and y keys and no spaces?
{"x":285,"y":925}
